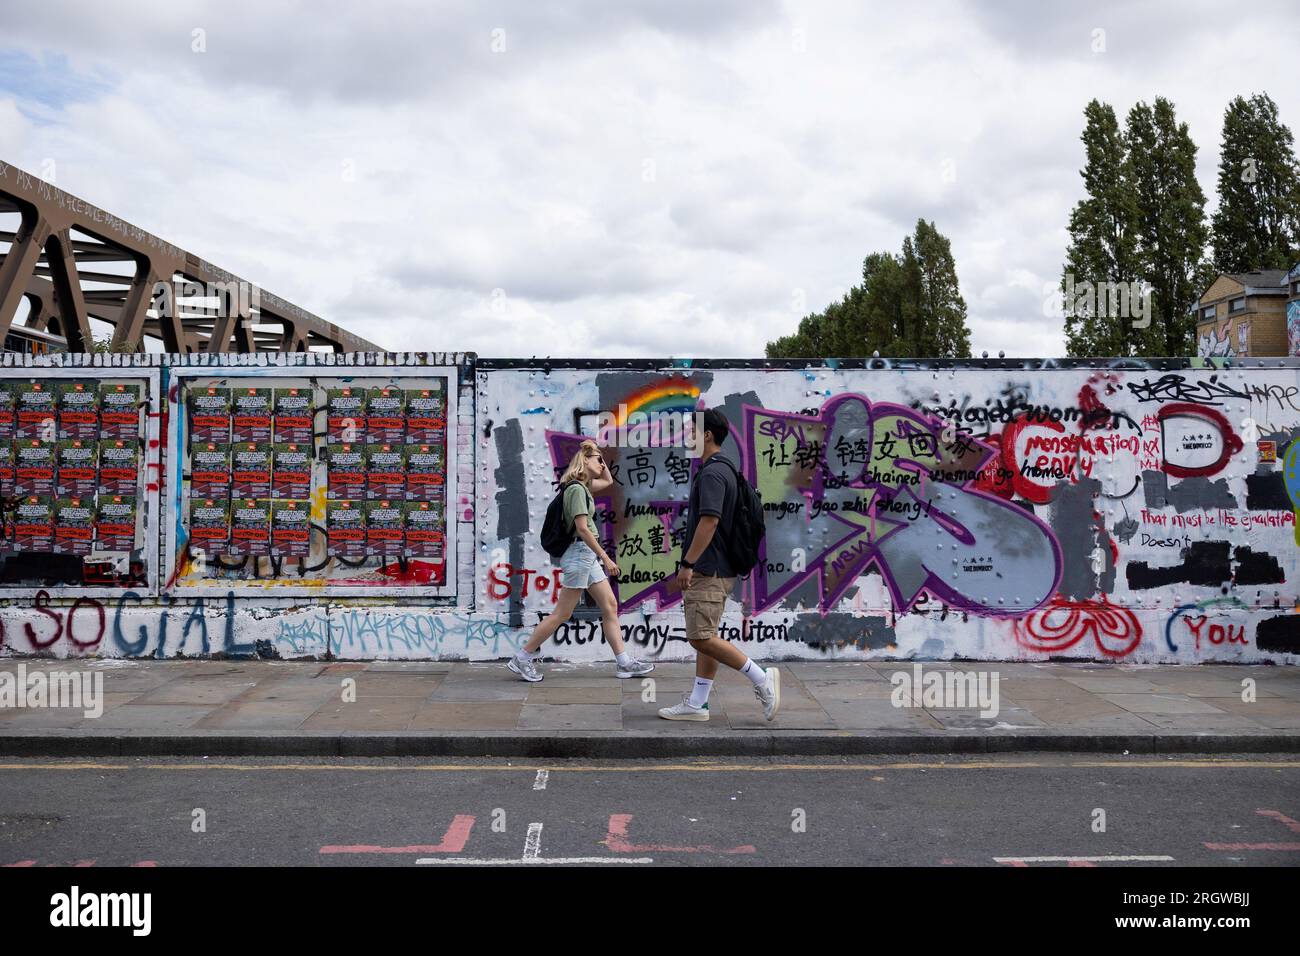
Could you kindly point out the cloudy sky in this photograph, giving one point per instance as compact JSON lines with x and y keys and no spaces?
{"x":658,"y":177}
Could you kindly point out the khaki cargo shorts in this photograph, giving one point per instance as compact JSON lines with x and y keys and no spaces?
{"x":703,"y":602}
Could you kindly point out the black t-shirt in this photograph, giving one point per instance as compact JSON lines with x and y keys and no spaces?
{"x":713,"y":492}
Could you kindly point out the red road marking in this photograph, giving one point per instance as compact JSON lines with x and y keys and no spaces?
{"x":616,"y":840}
{"x":453,"y":841}
{"x":21,"y":863}
{"x":1281,"y":818}
{"x":1292,"y":825}
{"x":1015,"y":863}
{"x":1082,"y":863}
{"x":145,"y":863}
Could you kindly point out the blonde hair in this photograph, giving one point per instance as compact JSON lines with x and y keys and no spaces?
{"x":577,"y":469}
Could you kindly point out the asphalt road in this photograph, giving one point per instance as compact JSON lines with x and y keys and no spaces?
{"x":1009,"y":811}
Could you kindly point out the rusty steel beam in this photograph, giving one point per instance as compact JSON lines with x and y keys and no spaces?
{"x":41,"y":265}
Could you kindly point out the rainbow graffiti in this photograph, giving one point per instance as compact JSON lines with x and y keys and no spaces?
{"x":674,"y":395}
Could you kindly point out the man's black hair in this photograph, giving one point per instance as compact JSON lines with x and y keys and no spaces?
{"x":716,"y":422}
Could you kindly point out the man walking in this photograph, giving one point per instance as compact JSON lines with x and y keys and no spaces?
{"x":706,"y":576}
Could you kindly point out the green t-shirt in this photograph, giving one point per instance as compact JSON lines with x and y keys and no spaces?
{"x":578,"y":501}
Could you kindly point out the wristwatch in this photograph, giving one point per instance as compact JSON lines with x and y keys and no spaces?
{"x":683,"y":563}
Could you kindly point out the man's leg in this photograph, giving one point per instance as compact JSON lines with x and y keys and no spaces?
{"x":703,"y":603}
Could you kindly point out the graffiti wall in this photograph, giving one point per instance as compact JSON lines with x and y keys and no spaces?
{"x":1128,"y":514}
{"x":390,"y":506}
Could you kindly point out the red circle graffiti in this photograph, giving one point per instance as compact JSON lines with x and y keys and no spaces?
{"x":1231,"y":442}
{"x":1062,"y":624}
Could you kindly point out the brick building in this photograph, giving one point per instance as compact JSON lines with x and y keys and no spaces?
{"x":1245,"y":313}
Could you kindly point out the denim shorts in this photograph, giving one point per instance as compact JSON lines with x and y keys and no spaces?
{"x":579,"y":566}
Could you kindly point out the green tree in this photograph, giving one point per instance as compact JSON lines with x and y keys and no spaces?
{"x":1169,"y":225}
{"x":907,"y":305}
{"x":1103,"y":244}
{"x":1257,"y":224}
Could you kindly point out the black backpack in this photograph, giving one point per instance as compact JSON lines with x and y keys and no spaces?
{"x":556,"y":534}
{"x":747,"y":530}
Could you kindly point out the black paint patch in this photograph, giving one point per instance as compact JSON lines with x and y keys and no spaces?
{"x":1257,"y":567}
{"x":1188,"y":494}
{"x":1267,"y":492}
{"x":512,"y":504}
{"x":841,"y":630}
{"x":1281,"y":635}
{"x":1126,"y":529}
{"x":1205,"y":563}
{"x":1079,"y":529}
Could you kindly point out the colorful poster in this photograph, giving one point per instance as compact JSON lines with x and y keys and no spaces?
{"x":34,"y":467}
{"x":250,"y":418}
{"x":8,"y":421}
{"x":79,"y":411}
{"x":384,"y":528}
{"x":119,"y":409}
{"x":295,"y":415}
{"x":209,"y":408}
{"x":250,"y":467}
{"x":34,"y":523}
{"x":119,"y":466}
{"x":74,"y":525}
{"x":346,"y":465}
{"x":115,"y":524}
{"x":6,"y":469}
{"x":250,"y":526}
{"x":385,"y":416}
{"x":209,"y":470}
{"x":1293,"y":327}
{"x":77,"y":468}
{"x":424,"y":534}
{"x":425,"y":473}
{"x":345,"y":527}
{"x":346,"y":416}
{"x":291,"y":470}
{"x":385,"y":472}
{"x":36,"y":409}
{"x":209,"y":525}
{"x":426,"y":416}
{"x":291,"y":528}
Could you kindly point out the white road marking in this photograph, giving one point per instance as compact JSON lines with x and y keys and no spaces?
{"x":542,"y":777}
{"x":533,"y":843}
{"x":532,"y":856}
{"x":1083,"y":859}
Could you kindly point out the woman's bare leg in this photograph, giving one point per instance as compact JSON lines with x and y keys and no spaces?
{"x":603,"y":595}
{"x":551,"y":623}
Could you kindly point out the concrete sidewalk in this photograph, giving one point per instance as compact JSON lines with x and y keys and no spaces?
{"x":212,"y":707}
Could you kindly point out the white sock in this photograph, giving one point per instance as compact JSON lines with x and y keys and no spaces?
{"x":756,"y":674}
{"x":700,"y":693}
{"x":623,"y":659}
{"x":528,"y":655}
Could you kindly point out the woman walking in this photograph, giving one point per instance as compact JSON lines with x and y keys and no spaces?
{"x":584,"y":566}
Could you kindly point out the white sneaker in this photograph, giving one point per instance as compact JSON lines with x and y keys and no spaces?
{"x":525,"y":668}
{"x":684,"y":711}
{"x":769,"y":695}
{"x":635,"y":668}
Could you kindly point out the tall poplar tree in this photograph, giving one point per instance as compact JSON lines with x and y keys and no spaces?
{"x":1257,"y":224}
{"x":1169,"y":226}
